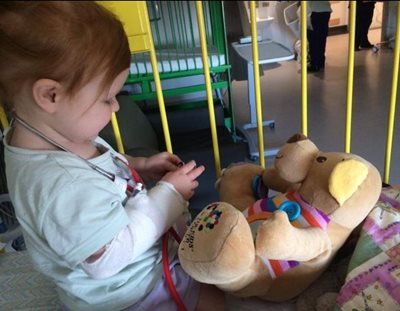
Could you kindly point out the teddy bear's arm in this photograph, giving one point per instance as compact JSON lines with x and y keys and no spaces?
{"x":278,"y":239}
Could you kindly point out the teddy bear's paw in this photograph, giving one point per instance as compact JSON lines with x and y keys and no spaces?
{"x":218,"y":246}
{"x":274,"y":236}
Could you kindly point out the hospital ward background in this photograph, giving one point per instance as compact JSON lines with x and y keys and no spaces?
{"x":210,"y":114}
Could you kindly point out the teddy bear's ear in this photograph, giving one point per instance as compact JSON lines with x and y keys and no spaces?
{"x":296,"y":137}
{"x":345,"y":179}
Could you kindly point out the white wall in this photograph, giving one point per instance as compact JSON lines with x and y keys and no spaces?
{"x":271,"y":23}
{"x":340,"y":14}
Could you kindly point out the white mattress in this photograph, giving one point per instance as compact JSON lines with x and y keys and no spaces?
{"x":174,"y":60}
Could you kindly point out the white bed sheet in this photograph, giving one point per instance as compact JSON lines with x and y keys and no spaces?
{"x":174,"y":60}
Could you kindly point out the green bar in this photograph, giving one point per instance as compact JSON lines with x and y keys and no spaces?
{"x":170,"y":75}
{"x":179,"y":90}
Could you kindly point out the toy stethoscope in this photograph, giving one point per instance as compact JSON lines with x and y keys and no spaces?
{"x":132,"y":184}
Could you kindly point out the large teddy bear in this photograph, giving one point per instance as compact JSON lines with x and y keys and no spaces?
{"x":274,"y":248}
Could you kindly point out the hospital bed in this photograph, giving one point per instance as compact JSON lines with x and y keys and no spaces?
{"x":179,"y":60}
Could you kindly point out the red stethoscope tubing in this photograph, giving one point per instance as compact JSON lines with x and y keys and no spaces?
{"x":167,"y":272}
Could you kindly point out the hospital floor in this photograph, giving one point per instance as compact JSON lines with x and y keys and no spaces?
{"x":327,"y":97}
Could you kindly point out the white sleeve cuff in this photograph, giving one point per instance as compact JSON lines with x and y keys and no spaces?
{"x":162,"y":204}
{"x":130,"y":243}
{"x":150,"y":214}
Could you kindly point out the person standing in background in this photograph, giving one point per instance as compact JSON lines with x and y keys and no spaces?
{"x":317,"y":33}
{"x":364,"y":15}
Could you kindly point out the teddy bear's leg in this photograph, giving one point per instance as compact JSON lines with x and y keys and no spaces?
{"x":218,"y":247}
{"x":278,"y":239}
{"x":255,"y":282}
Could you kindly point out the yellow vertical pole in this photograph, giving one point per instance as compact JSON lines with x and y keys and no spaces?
{"x":350,"y":75}
{"x":3,"y":118}
{"x":117,"y":133}
{"x":393,"y":96}
{"x":157,"y":82}
{"x":256,"y":71}
{"x":135,"y":17}
{"x":303,"y":29}
{"x":204,"y":53}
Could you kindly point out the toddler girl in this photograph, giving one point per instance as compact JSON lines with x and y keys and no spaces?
{"x":88,"y":222}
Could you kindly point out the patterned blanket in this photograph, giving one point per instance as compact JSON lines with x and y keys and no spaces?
{"x":22,"y":288}
{"x":373,"y":277}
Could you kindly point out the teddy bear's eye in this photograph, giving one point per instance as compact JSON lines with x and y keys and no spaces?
{"x":321,"y":159}
{"x":279,"y":156}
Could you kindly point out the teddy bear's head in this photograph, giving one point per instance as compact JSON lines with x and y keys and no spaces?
{"x":329,"y":180}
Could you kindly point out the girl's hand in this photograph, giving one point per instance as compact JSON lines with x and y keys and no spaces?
{"x":184,"y":179}
{"x":155,"y":167}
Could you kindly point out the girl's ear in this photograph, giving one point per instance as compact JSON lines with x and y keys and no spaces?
{"x":47,"y":94}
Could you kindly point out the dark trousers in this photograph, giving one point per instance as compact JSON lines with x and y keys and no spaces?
{"x":364,"y":15}
{"x":317,"y":37}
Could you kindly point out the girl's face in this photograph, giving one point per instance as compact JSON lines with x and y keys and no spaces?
{"x":85,"y":114}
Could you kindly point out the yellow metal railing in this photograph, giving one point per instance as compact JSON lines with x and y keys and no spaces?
{"x":3,"y":118}
{"x":303,"y":32}
{"x":393,"y":96}
{"x":135,"y":18}
{"x":256,"y":71}
{"x":210,"y":101}
{"x":350,"y":76}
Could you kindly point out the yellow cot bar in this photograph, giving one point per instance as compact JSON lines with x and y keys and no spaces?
{"x":200,"y":21}
{"x":257,"y":83}
{"x":135,"y":18}
{"x":303,"y":25}
{"x":3,"y":118}
{"x":393,"y":96}
{"x":350,"y":76}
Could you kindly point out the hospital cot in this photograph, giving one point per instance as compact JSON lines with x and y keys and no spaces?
{"x":16,"y":270}
{"x":179,"y":61}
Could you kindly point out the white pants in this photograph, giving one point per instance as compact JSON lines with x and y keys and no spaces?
{"x":160,"y":299}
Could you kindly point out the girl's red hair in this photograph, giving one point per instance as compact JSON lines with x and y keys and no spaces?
{"x":68,"y":41}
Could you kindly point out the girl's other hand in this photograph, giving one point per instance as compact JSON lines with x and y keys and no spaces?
{"x":155,"y":167}
{"x":184,"y":178}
